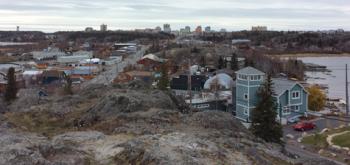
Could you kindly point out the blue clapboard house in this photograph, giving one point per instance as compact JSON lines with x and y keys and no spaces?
{"x":291,"y":97}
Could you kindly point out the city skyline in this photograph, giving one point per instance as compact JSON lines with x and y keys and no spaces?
{"x":53,"y":15}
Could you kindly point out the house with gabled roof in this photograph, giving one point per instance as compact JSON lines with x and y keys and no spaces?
{"x":290,"y":96}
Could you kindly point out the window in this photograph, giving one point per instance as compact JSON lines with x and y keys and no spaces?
{"x":245,"y":96}
{"x":242,"y":77}
{"x":295,"y":108}
{"x":286,"y":110}
{"x":255,"y":78}
{"x":202,"y":106}
{"x":246,"y":111}
{"x":295,"y":95}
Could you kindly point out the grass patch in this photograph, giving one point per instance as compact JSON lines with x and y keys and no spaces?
{"x":319,"y":141}
{"x":342,"y":140}
{"x":46,"y":122}
{"x":41,"y":122}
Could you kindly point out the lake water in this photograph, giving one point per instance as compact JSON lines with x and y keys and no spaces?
{"x":334,"y":79}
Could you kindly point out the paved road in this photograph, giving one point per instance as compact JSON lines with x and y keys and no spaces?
{"x":111,"y":72}
{"x":321,"y":123}
{"x":294,"y":147}
{"x":297,"y":150}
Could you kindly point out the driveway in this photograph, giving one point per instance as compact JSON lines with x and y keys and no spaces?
{"x":321,"y":123}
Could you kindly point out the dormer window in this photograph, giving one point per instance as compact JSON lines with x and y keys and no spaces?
{"x":295,"y":94}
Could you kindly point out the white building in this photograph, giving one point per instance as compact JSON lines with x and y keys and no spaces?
{"x":166,"y":28}
{"x":207,"y":29}
{"x":76,"y":57}
{"x":103,"y":28}
{"x":49,"y":53}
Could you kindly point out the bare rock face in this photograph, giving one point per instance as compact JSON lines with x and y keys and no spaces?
{"x":129,"y":125}
{"x":27,"y":148}
{"x":176,"y":148}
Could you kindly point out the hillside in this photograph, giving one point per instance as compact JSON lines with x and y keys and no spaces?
{"x":128,"y":124}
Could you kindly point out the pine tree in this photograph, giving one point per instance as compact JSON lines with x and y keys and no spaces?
{"x":11,"y":88}
{"x":234,"y":62}
{"x":203,"y":61}
{"x":68,"y":86}
{"x":220,"y":63}
{"x":164,"y":79}
{"x":264,"y":124}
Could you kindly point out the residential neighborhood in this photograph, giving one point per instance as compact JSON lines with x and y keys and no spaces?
{"x":174,"y":83}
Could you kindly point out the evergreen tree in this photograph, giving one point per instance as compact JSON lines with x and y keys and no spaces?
{"x":220,"y":63}
{"x":234,"y":62}
{"x":68,"y":86}
{"x":264,"y":124}
{"x":203,"y":61}
{"x":11,"y":88}
{"x":164,"y":79}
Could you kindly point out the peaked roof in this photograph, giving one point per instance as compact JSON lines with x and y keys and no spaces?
{"x":250,"y":71}
{"x":281,"y":85}
{"x":153,"y":57}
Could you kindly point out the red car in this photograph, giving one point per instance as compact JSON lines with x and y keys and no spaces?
{"x":304,"y":126}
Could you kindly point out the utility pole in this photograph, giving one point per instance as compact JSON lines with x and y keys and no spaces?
{"x":189,"y":82}
{"x":346,"y":90}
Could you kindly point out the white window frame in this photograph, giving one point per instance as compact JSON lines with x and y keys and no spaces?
{"x":255,"y":77}
{"x":203,"y":106}
{"x":296,"y":108}
{"x":242,"y":77}
{"x":246,"y":111}
{"x":286,"y":110}
{"x":244,"y":96}
{"x":294,"y":93}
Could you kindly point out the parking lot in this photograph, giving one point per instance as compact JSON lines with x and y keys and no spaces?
{"x":321,"y":123}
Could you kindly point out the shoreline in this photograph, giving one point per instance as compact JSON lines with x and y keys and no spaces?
{"x":310,"y":55}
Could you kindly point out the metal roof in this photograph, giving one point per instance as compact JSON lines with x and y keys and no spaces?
{"x":281,"y":85}
{"x":250,"y":71}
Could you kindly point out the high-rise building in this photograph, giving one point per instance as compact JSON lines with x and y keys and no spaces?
{"x":188,"y":29}
{"x":199,"y":30}
{"x":207,"y":29}
{"x":166,"y":28}
{"x":17,"y":29}
{"x":103,"y":28}
{"x":259,"y":28}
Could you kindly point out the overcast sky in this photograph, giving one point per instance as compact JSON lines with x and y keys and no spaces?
{"x":53,"y":15}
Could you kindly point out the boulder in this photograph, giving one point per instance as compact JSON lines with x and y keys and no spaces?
{"x":290,"y":136}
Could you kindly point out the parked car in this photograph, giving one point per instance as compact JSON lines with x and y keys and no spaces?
{"x":294,"y":119}
{"x":304,"y":126}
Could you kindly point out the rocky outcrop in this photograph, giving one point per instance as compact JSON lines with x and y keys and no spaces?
{"x":129,"y":125}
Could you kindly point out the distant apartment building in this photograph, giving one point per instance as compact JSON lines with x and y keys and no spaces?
{"x":199,"y":30}
{"x":259,"y":28}
{"x":103,"y":28}
{"x":185,"y":31}
{"x":166,"y":28}
{"x":17,"y":29}
{"x":89,"y":29}
{"x":188,"y":29}
{"x":207,"y":29}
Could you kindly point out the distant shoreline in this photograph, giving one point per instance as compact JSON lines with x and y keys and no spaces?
{"x":311,"y":55}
